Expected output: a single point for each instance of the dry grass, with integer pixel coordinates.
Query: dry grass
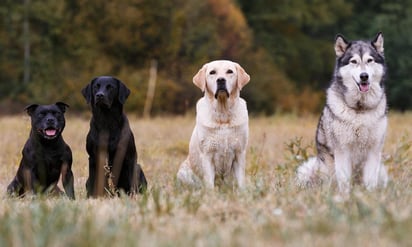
(271, 212)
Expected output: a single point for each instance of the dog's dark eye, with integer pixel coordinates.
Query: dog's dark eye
(353, 61)
(108, 87)
(212, 72)
(230, 71)
(97, 85)
(41, 114)
(370, 60)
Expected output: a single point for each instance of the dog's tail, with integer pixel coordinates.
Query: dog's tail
(311, 172)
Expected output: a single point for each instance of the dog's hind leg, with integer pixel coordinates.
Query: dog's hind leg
(186, 176)
(139, 180)
(15, 188)
(67, 181)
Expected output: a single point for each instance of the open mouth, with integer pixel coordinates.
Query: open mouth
(49, 133)
(363, 85)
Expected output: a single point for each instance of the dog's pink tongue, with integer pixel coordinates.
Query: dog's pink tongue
(364, 87)
(50, 132)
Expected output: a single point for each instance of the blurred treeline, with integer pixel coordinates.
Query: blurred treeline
(50, 49)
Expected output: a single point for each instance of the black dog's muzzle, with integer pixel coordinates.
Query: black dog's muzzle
(100, 99)
(50, 129)
(221, 87)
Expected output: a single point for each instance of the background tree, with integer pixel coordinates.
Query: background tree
(286, 47)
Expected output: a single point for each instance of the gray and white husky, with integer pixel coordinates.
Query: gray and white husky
(351, 130)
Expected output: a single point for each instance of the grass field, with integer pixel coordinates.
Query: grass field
(272, 211)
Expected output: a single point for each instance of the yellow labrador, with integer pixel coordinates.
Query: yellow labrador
(217, 147)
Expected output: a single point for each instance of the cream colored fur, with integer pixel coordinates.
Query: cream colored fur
(217, 147)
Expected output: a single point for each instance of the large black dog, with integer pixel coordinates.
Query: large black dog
(45, 154)
(110, 141)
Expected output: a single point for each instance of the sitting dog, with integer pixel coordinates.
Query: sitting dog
(45, 154)
(352, 128)
(110, 141)
(217, 147)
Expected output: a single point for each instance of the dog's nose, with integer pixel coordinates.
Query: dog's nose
(50, 120)
(221, 81)
(364, 76)
(99, 95)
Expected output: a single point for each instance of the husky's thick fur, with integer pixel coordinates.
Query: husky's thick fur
(352, 127)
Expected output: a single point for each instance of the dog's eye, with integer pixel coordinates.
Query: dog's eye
(212, 72)
(370, 60)
(109, 87)
(97, 85)
(230, 71)
(353, 61)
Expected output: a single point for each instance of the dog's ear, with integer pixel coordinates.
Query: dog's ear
(62, 106)
(341, 44)
(242, 77)
(87, 91)
(200, 78)
(31, 108)
(378, 42)
(124, 92)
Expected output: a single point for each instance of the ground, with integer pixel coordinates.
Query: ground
(272, 211)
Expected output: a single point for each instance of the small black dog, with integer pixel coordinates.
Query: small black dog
(45, 154)
(110, 141)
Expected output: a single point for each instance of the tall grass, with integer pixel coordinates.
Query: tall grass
(272, 211)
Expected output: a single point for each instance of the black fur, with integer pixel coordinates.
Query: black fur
(110, 133)
(45, 154)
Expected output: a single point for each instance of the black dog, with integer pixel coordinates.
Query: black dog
(45, 154)
(110, 141)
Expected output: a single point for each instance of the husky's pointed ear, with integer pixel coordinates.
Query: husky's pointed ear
(378, 42)
(242, 77)
(200, 78)
(340, 45)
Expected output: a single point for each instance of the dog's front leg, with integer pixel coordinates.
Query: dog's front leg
(374, 172)
(28, 181)
(239, 169)
(343, 171)
(91, 180)
(208, 172)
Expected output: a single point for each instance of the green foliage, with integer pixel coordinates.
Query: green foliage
(297, 152)
(286, 47)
